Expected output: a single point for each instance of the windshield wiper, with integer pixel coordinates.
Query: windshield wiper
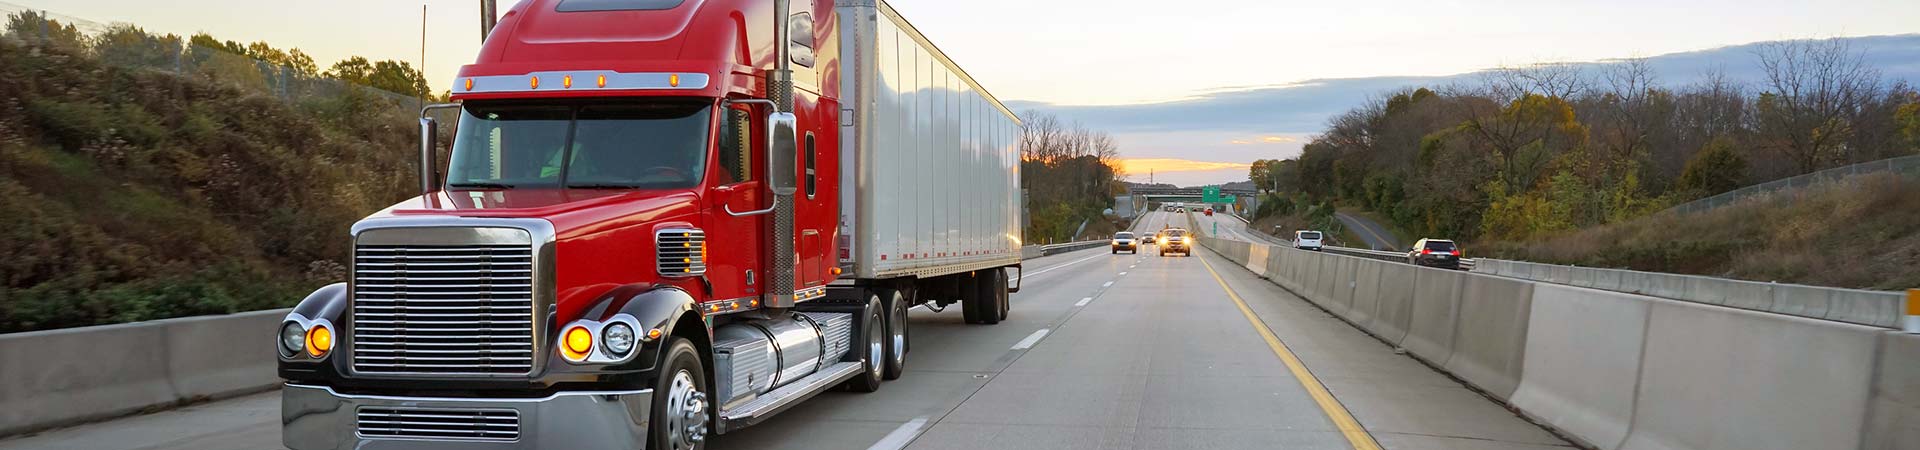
(480, 185)
(601, 186)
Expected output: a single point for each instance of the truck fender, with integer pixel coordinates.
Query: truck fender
(327, 304)
(661, 308)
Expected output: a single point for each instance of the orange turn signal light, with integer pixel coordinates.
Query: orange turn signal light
(673, 80)
(577, 342)
(319, 341)
(533, 82)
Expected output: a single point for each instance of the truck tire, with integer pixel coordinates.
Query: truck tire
(872, 349)
(682, 415)
(990, 294)
(971, 305)
(896, 339)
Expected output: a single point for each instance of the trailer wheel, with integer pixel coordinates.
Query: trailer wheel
(896, 344)
(872, 351)
(990, 294)
(972, 307)
(681, 411)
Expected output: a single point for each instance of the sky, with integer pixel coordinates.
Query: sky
(1113, 64)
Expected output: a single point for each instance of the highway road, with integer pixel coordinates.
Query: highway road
(1375, 236)
(1102, 352)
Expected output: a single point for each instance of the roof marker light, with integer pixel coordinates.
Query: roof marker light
(566, 82)
(469, 84)
(601, 81)
(673, 80)
(533, 82)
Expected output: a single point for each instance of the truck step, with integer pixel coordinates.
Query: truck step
(786, 396)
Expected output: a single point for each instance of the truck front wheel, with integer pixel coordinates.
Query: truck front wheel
(681, 411)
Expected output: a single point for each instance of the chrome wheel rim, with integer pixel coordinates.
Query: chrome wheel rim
(899, 334)
(874, 352)
(686, 412)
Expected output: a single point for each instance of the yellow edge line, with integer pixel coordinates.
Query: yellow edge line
(1356, 435)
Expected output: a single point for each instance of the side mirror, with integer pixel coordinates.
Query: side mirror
(429, 132)
(782, 154)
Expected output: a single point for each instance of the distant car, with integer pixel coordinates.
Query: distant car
(1180, 210)
(1177, 240)
(1209, 211)
(1306, 240)
(1435, 253)
(1147, 240)
(1124, 241)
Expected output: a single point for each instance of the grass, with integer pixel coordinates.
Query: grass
(1859, 233)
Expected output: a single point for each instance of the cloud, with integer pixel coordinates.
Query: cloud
(1167, 165)
(1278, 139)
(1239, 142)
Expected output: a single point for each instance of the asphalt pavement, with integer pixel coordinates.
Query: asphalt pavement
(1101, 351)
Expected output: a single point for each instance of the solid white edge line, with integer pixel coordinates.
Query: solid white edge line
(1030, 340)
(899, 438)
(1083, 302)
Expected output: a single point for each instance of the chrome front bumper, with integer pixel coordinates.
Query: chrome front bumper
(316, 418)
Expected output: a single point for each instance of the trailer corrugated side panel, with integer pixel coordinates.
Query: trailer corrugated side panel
(932, 158)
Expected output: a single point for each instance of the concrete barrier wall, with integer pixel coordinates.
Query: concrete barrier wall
(1873, 308)
(1582, 362)
(61, 377)
(1436, 304)
(1257, 259)
(1490, 333)
(1616, 370)
(1721, 378)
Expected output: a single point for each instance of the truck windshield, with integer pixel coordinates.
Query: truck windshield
(639, 145)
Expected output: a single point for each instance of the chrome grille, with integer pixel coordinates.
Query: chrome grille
(446, 424)
(679, 252)
(443, 309)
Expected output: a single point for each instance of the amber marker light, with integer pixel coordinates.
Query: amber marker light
(469, 84)
(600, 81)
(673, 80)
(533, 82)
(653, 334)
(577, 342)
(319, 341)
(566, 82)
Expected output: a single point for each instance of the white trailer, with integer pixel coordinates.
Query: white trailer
(931, 157)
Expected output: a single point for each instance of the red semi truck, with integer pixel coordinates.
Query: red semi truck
(661, 220)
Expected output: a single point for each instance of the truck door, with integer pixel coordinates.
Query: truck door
(733, 242)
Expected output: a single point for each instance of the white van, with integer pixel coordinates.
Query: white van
(1306, 240)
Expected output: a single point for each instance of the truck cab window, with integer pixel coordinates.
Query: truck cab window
(616, 5)
(800, 39)
(645, 145)
(736, 151)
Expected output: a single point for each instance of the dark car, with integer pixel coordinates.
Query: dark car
(1435, 253)
(1124, 241)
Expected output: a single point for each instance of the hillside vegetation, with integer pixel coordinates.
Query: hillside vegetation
(1859, 233)
(1532, 153)
(132, 193)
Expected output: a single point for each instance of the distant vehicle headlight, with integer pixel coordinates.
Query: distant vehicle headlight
(293, 339)
(618, 339)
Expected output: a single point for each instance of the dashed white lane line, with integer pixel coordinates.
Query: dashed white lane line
(1030, 340)
(1083, 302)
(1123, 273)
(1057, 267)
(1107, 284)
(899, 438)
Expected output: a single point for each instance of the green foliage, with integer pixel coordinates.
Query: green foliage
(36, 28)
(137, 194)
(1716, 169)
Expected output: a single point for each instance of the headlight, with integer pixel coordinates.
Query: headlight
(293, 339)
(617, 339)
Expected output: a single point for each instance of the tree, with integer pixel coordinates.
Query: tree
(1810, 88)
(1716, 169)
(128, 45)
(356, 70)
(36, 27)
(1261, 177)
